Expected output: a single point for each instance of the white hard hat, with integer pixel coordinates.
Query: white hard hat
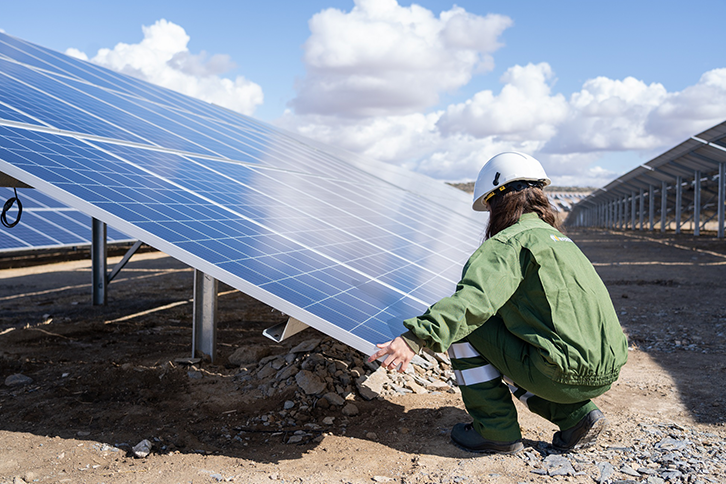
(502, 169)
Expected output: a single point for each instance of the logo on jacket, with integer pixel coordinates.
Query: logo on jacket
(560, 239)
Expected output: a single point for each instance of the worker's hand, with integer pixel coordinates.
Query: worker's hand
(398, 351)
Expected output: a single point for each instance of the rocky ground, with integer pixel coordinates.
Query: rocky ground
(108, 394)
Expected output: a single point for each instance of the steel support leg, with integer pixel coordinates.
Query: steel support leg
(641, 209)
(651, 207)
(204, 322)
(697, 204)
(98, 262)
(721, 198)
(679, 201)
(663, 206)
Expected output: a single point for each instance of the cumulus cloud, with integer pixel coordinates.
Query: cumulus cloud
(411, 141)
(163, 58)
(692, 110)
(571, 136)
(382, 59)
(610, 115)
(524, 110)
(395, 139)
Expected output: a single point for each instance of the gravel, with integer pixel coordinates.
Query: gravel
(326, 374)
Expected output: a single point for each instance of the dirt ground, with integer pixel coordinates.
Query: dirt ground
(104, 378)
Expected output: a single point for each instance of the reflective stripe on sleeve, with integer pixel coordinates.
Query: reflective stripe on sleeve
(462, 350)
(480, 374)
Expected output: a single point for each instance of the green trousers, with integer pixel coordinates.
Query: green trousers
(491, 363)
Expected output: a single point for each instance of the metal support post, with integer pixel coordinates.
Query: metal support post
(632, 210)
(641, 211)
(697, 204)
(204, 322)
(651, 207)
(618, 220)
(721, 198)
(98, 262)
(679, 199)
(663, 206)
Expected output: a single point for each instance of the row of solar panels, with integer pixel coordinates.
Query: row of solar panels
(689, 177)
(346, 245)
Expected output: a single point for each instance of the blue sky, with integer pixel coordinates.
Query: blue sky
(590, 88)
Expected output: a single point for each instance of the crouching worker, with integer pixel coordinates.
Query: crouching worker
(530, 315)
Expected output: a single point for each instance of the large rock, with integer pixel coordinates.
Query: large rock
(350, 410)
(306, 346)
(372, 386)
(18, 379)
(334, 399)
(309, 382)
(245, 355)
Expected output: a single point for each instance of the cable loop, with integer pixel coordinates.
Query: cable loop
(8, 205)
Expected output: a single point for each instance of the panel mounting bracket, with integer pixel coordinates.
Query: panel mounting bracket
(282, 331)
(8, 181)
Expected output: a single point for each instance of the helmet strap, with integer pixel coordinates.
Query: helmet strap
(515, 186)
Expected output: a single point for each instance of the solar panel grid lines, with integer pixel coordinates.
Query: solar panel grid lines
(312, 231)
(47, 224)
(295, 193)
(183, 144)
(50, 61)
(236, 183)
(262, 272)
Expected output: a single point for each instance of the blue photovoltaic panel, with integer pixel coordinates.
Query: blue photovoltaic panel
(46, 224)
(347, 245)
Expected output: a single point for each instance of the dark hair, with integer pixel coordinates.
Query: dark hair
(505, 209)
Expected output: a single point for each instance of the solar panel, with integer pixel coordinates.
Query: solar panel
(47, 224)
(346, 245)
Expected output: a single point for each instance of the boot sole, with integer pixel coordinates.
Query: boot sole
(516, 449)
(589, 438)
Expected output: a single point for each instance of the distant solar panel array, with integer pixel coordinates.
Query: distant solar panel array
(346, 245)
(685, 186)
(563, 201)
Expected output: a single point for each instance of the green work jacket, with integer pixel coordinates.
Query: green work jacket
(547, 293)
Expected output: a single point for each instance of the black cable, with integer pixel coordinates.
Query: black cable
(8, 205)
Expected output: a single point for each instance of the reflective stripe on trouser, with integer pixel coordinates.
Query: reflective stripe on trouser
(486, 394)
(520, 393)
(482, 374)
(486, 397)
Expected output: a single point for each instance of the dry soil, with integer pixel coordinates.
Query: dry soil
(104, 378)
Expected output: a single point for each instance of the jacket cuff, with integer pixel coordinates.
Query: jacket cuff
(413, 341)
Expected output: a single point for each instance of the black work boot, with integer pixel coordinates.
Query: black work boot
(465, 437)
(582, 435)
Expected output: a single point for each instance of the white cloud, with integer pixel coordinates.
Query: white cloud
(73, 52)
(524, 110)
(162, 58)
(696, 108)
(387, 138)
(570, 137)
(382, 59)
(610, 115)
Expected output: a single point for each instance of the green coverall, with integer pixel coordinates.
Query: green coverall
(529, 315)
